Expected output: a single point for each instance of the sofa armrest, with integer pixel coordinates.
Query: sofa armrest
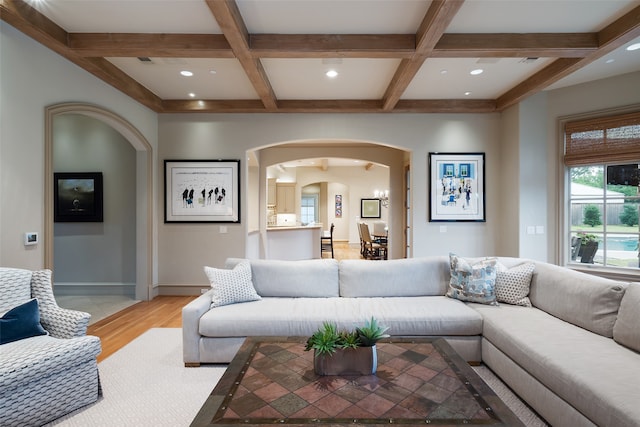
(59, 322)
(64, 323)
(191, 314)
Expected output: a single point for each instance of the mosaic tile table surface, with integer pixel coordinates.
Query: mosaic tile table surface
(418, 382)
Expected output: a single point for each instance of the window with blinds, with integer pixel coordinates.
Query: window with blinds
(605, 139)
(602, 157)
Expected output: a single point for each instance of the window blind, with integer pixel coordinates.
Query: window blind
(603, 140)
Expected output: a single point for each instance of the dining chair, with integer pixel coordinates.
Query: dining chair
(326, 242)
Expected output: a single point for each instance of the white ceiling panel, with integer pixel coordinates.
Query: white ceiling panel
(130, 16)
(537, 16)
(450, 78)
(162, 77)
(306, 79)
(333, 16)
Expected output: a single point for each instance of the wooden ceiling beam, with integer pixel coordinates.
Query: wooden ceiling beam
(613, 36)
(227, 14)
(435, 22)
(150, 45)
(213, 106)
(332, 45)
(40, 28)
(500, 45)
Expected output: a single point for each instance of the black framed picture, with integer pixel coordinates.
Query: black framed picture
(369, 208)
(202, 191)
(77, 197)
(456, 187)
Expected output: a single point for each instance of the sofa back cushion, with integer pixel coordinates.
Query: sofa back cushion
(15, 287)
(394, 278)
(626, 331)
(314, 278)
(584, 300)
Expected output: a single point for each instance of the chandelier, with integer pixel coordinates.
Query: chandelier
(383, 196)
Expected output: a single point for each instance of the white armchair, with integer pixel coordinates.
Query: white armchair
(44, 377)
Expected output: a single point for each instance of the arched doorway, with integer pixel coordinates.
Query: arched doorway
(143, 188)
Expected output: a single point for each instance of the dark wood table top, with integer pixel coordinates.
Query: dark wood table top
(419, 381)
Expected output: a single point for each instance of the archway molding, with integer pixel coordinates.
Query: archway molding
(144, 188)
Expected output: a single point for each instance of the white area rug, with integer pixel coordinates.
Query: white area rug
(146, 384)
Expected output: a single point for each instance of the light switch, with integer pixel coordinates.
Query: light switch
(443, 228)
(531, 229)
(223, 229)
(539, 229)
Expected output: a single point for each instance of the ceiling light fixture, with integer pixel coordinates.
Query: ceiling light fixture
(213, 72)
(443, 71)
(192, 95)
(467, 93)
(609, 61)
(186, 73)
(634, 46)
(331, 73)
(476, 71)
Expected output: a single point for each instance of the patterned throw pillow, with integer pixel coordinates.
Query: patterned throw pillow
(231, 286)
(473, 282)
(512, 284)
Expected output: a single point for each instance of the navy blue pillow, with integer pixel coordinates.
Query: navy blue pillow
(21, 322)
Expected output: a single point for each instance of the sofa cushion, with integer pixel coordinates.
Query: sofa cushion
(585, 300)
(412, 316)
(16, 287)
(278, 278)
(570, 361)
(472, 281)
(231, 286)
(21, 322)
(397, 277)
(512, 284)
(626, 330)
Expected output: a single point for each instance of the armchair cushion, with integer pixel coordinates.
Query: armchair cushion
(21, 322)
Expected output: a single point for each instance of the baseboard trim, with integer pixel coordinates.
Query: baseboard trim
(94, 288)
(182, 290)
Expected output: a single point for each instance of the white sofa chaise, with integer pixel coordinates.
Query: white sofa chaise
(573, 356)
(52, 373)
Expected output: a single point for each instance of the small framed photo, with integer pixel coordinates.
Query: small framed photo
(77, 196)
(202, 191)
(369, 208)
(30, 238)
(456, 187)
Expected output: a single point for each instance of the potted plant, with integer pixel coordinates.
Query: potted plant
(588, 247)
(342, 352)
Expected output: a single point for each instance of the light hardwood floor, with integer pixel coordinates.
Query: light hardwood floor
(118, 330)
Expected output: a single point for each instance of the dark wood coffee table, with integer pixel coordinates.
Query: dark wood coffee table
(419, 381)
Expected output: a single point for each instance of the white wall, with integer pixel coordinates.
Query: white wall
(184, 248)
(32, 78)
(106, 251)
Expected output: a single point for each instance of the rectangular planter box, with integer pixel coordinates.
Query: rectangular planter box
(348, 361)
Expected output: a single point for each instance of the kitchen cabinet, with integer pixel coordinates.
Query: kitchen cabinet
(271, 192)
(286, 197)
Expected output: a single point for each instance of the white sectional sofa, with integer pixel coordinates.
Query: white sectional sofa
(573, 356)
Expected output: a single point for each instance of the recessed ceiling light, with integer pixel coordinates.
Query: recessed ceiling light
(634, 46)
(201, 103)
(192, 95)
(609, 61)
(443, 71)
(332, 73)
(476, 71)
(212, 71)
(467, 93)
(186, 73)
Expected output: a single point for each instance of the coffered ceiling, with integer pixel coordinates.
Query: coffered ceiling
(390, 55)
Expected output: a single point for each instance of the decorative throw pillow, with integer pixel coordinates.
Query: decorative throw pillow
(473, 282)
(231, 286)
(512, 284)
(21, 322)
